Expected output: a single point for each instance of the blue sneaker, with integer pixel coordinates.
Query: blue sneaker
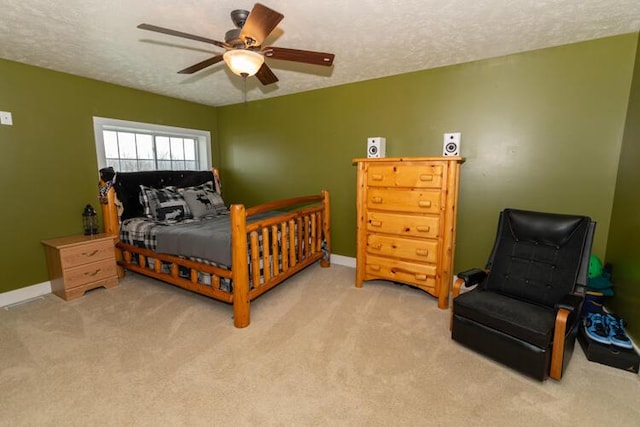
(595, 328)
(617, 335)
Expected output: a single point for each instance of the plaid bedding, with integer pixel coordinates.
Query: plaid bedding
(142, 232)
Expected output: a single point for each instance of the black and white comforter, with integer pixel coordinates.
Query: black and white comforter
(208, 238)
(203, 240)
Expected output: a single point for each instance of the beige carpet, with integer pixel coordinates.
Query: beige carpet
(318, 352)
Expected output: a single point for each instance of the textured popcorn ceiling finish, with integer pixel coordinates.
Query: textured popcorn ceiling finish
(370, 38)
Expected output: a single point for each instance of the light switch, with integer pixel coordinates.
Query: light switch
(5, 118)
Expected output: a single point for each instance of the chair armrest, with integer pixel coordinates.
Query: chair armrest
(472, 277)
(566, 315)
(569, 302)
(465, 278)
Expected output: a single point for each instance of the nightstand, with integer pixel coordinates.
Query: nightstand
(78, 264)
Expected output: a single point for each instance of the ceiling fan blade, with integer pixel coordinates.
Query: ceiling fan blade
(200, 65)
(163, 30)
(259, 24)
(307, 56)
(265, 75)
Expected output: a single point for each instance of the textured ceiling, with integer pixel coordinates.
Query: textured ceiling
(370, 38)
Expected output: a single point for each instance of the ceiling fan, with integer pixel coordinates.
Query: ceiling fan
(244, 54)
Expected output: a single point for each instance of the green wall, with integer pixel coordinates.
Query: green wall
(48, 166)
(540, 130)
(623, 249)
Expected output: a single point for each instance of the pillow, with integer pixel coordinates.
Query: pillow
(203, 203)
(164, 204)
(203, 200)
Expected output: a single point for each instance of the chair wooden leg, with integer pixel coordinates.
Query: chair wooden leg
(557, 357)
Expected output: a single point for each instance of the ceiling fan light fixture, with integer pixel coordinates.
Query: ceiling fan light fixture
(243, 62)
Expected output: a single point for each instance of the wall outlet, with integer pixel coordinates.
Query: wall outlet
(6, 118)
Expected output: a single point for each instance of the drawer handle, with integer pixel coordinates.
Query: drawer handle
(422, 252)
(376, 199)
(376, 177)
(418, 276)
(423, 228)
(424, 203)
(90, 253)
(374, 267)
(426, 177)
(375, 246)
(376, 223)
(94, 273)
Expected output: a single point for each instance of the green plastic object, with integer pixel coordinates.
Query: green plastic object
(595, 267)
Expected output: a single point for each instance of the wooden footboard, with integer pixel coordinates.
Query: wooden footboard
(295, 250)
(264, 253)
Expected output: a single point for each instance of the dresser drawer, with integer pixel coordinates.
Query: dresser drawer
(422, 275)
(404, 225)
(405, 175)
(88, 273)
(82, 254)
(398, 247)
(418, 201)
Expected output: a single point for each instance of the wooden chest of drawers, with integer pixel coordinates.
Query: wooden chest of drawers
(407, 222)
(80, 263)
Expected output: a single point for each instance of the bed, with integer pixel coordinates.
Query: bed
(166, 228)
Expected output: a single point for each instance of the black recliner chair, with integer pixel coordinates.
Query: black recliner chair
(525, 309)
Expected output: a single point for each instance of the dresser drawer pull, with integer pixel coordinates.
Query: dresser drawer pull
(376, 223)
(90, 253)
(424, 203)
(374, 267)
(422, 252)
(418, 276)
(94, 273)
(423, 228)
(376, 199)
(426, 177)
(376, 177)
(375, 246)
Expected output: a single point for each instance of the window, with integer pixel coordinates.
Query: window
(131, 146)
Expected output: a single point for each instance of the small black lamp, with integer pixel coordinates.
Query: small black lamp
(89, 221)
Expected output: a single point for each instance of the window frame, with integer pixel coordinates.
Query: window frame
(202, 137)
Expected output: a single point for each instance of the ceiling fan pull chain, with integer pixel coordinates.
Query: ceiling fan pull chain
(244, 88)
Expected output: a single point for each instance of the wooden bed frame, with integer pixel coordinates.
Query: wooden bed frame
(309, 214)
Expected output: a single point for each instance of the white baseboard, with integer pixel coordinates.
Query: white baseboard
(23, 294)
(343, 260)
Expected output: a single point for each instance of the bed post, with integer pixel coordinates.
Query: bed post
(240, 267)
(111, 222)
(110, 213)
(326, 228)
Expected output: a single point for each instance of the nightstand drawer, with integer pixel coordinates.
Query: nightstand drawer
(418, 201)
(408, 175)
(398, 247)
(83, 254)
(422, 275)
(88, 273)
(404, 225)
